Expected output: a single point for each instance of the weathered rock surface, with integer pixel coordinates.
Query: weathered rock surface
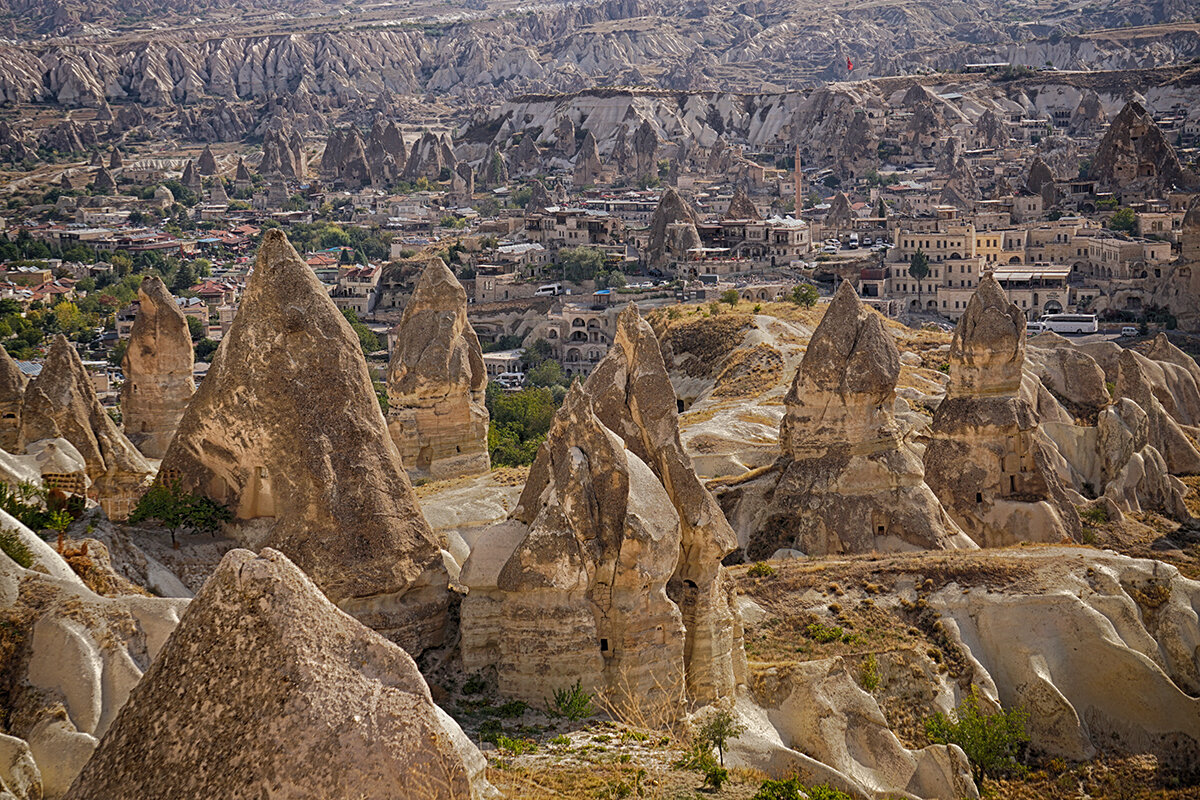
(436, 381)
(286, 430)
(846, 480)
(83, 655)
(574, 585)
(290, 696)
(283, 155)
(672, 229)
(741, 207)
(12, 393)
(1135, 155)
(1165, 434)
(158, 370)
(989, 462)
(632, 396)
(61, 402)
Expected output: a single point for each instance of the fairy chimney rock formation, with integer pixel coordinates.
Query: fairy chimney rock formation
(672, 229)
(263, 674)
(207, 164)
(848, 482)
(191, 178)
(1135, 155)
(989, 462)
(12, 393)
(573, 586)
(158, 370)
(741, 207)
(632, 396)
(61, 403)
(287, 431)
(539, 198)
(436, 382)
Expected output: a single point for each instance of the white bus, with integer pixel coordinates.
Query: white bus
(1070, 323)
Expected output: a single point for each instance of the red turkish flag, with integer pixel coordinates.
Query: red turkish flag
(849, 65)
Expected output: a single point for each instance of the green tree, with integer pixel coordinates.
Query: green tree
(918, 269)
(994, 743)
(1123, 220)
(730, 296)
(717, 729)
(205, 349)
(547, 373)
(538, 351)
(805, 295)
(178, 510)
(366, 337)
(580, 263)
(183, 279)
(196, 328)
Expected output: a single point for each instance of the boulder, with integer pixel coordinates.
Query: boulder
(158, 370)
(286, 430)
(288, 695)
(847, 482)
(436, 381)
(989, 462)
(61, 403)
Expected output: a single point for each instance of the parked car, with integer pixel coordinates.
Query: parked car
(1129, 330)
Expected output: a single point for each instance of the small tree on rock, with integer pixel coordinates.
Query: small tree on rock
(178, 510)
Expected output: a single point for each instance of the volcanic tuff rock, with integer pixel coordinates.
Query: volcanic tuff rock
(436, 381)
(587, 162)
(1165, 434)
(429, 155)
(632, 397)
(345, 159)
(672, 229)
(741, 207)
(207, 163)
(539, 198)
(287, 431)
(1179, 290)
(573, 587)
(103, 181)
(386, 152)
(158, 370)
(988, 461)
(115, 159)
(1135, 155)
(12, 393)
(847, 481)
(191, 178)
(288, 695)
(283, 155)
(61, 402)
(81, 656)
(840, 215)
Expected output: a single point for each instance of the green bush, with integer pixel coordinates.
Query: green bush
(825, 634)
(517, 747)
(805, 295)
(15, 548)
(474, 684)
(28, 504)
(761, 569)
(994, 743)
(572, 702)
(730, 296)
(792, 789)
(1094, 515)
(869, 674)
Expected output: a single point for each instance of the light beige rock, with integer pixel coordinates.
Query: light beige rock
(61, 402)
(158, 370)
(818, 709)
(846, 480)
(12, 391)
(989, 462)
(632, 396)
(1134, 383)
(287, 431)
(436, 381)
(288, 695)
(1104, 656)
(574, 585)
(84, 655)
(19, 775)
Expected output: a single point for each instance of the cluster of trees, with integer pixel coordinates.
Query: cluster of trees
(367, 244)
(366, 337)
(589, 263)
(520, 421)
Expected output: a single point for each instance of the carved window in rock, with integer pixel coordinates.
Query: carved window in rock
(258, 499)
(168, 477)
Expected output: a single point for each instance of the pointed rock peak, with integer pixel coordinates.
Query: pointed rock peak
(208, 162)
(539, 198)
(242, 174)
(438, 287)
(261, 635)
(988, 348)
(850, 351)
(287, 431)
(741, 207)
(11, 378)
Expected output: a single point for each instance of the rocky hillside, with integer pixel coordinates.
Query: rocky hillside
(490, 53)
